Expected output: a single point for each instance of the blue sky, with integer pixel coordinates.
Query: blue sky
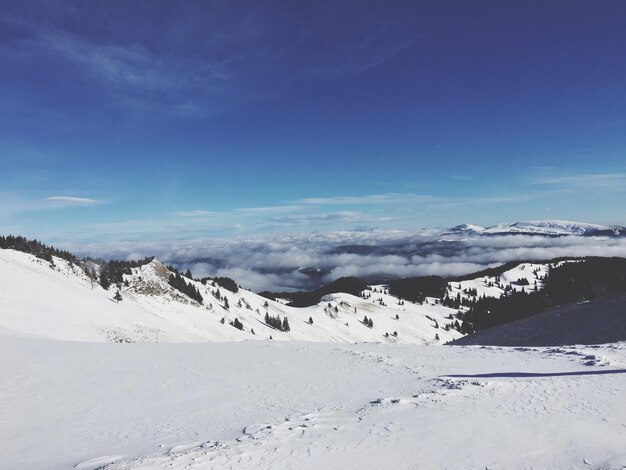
(168, 120)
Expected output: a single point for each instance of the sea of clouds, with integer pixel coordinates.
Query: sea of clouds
(275, 262)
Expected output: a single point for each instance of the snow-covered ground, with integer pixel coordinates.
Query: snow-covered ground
(274, 405)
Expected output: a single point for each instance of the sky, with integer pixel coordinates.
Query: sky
(161, 121)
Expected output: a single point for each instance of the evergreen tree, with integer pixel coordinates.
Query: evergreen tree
(104, 281)
(118, 296)
(178, 282)
(310, 320)
(237, 324)
(286, 324)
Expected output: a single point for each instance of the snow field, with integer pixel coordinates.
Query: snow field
(268, 404)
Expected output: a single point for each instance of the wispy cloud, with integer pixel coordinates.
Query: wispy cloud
(129, 65)
(71, 201)
(587, 180)
(367, 199)
(195, 213)
(290, 207)
(307, 219)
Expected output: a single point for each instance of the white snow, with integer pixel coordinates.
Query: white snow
(268, 404)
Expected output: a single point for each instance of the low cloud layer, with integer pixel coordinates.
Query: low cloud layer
(279, 262)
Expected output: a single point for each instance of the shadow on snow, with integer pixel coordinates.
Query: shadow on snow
(537, 374)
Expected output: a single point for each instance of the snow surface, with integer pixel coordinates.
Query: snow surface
(301, 405)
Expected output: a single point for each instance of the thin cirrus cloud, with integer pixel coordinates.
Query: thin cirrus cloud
(71, 201)
(589, 180)
(305, 219)
(195, 213)
(200, 65)
(367, 199)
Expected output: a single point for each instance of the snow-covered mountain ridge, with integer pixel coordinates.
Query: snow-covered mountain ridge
(60, 301)
(541, 227)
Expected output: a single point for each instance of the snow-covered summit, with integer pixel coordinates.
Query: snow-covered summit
(548, 227)
(466, 229)
(539, 227)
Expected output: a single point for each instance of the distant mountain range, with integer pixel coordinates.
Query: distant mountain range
(541, 228)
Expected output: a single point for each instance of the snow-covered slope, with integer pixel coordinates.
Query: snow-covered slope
(587, 322)
(62, 303)
(523, 277)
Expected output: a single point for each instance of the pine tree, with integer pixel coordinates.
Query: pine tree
(104, 281)
(286, 324)
(237, 324)
(310, 320)
(118, 296)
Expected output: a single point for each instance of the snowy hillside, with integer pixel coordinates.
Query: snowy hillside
(62, 303)
(524, 277)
